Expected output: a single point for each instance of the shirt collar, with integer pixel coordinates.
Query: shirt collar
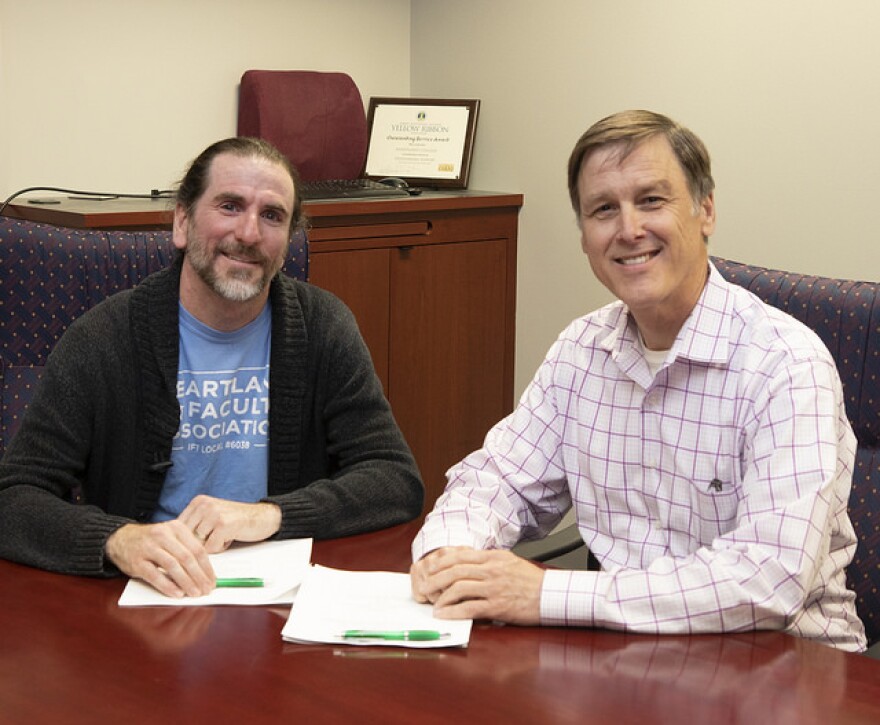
(704, 337)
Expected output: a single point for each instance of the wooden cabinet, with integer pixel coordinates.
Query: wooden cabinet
(432, 282)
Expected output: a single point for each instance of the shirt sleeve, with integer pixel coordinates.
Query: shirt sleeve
(514, 488)
(47, 459)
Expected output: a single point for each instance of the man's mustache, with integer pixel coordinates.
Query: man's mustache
(248, 254)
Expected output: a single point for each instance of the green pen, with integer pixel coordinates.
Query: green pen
(404, 635)
(245, 581)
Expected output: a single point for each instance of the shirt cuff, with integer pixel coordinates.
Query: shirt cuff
(569, 598)
(431, 538)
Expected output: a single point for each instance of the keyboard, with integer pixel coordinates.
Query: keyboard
(347, 189)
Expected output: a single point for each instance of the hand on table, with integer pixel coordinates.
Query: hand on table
(168, 556)
(173, 556)
(218, 522)
(465, 583)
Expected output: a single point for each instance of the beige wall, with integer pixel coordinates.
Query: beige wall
(119, 94)
(786, 94)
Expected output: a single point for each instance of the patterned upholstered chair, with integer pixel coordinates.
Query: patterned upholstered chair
(846, 315)
(51, 275)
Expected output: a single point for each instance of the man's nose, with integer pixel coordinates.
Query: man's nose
(631, 222)
(247, 231)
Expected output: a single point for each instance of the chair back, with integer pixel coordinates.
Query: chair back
(846, 316)
(315, 119)
(51, 275)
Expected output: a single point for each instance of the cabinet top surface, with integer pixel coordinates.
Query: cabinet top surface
(118, 213)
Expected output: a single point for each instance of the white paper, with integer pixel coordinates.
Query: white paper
(281, 564)
(332, 601)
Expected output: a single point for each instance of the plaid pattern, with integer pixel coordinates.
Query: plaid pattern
(714, 493)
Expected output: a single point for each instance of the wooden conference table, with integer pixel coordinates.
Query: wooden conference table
(69, 654)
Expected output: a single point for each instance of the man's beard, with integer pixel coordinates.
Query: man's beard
(236, 285)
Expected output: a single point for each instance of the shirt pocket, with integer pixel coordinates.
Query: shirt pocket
(715, 497)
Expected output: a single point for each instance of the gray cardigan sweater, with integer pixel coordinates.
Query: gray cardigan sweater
(94, 445)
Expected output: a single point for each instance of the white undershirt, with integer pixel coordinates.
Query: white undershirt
(654, 358)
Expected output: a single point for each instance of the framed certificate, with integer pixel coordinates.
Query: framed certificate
(425, 141)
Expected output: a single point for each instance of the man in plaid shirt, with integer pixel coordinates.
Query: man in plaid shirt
(699, 435)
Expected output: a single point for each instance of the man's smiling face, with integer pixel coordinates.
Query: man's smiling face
(644, 234)
(237, 235)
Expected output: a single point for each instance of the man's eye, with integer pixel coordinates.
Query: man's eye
(602, 211)
(229, 206)
(652, 201)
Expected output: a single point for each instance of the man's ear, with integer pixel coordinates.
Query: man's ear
(178, 227)
(707, 210)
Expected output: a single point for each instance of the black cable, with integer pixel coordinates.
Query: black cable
(154, 194)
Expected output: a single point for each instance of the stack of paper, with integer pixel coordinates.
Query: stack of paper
(280, 564)
(367, 608)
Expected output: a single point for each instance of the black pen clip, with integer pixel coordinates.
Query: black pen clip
(715, 484)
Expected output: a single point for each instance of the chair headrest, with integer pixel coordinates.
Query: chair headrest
(316, 119)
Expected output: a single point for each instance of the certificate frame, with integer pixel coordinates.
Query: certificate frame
(400, 146)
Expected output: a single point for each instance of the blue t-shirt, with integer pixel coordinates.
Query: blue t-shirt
(222, 446)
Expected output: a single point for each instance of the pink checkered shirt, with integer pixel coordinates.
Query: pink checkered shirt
(714, 494)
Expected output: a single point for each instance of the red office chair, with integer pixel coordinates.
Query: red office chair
(316, 119)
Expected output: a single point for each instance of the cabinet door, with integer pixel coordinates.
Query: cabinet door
(361, 280)
(447, 356)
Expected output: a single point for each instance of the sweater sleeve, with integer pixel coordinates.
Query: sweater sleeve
(44, 468)
(357, 471)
